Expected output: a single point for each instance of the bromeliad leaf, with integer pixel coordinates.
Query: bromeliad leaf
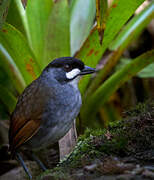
(12, 70)
(101, 15)
(4, 5)
(57, 40)
(93, 103)
(91, 51)
(129, 33)
(8, 99)
(18, 49)
(82, 19)
(147, 72)
(16, 15)
(37, 14)
(133, 29)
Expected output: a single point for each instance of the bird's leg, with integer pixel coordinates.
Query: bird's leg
(42, 166)
(19, 158)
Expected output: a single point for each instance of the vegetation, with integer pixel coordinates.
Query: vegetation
(103, 150)
(110, 35)
(34, 36)
(117, 139)
(28, 44)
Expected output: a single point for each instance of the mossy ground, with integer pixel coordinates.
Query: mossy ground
(130, 138)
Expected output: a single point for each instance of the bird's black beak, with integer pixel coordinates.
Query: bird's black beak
(87, 70)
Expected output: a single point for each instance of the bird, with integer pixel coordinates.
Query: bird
(46, 109)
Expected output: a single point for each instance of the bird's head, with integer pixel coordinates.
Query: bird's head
(67, 69)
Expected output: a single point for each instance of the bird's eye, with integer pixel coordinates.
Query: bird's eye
(67, 67)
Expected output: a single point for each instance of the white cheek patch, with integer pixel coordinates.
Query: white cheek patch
(73, 73)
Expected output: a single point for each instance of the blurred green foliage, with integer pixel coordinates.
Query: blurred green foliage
(33, 36)
(4, 5)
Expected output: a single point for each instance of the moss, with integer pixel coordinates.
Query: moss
(127, 137)
(132, 134)
(55, 174)
(83, 150)
(140, 109)
(91, 132)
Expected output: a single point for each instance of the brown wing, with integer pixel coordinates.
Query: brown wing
(24, 134)
(25, 120)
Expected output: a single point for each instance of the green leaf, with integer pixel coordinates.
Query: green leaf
(57, 41)
(101, 16)
(147, 72)
(5, 79)
(82, 15)
(4, 5)
(91, 52)
(15, 17)
(7, 98)
(133, 29)
(123, 62)
(17, 50)
(11, 69)
(37, 14)
(22, 14)
(130, 32)
(102, 94)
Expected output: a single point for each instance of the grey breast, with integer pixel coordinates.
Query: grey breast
(61, 108)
